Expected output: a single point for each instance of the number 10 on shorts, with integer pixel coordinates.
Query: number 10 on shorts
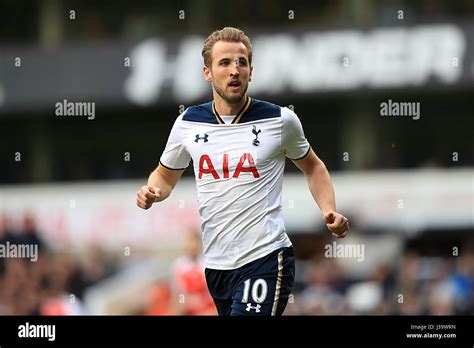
(259, 290)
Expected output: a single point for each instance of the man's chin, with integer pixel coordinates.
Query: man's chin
(231, 97)
(234, 98)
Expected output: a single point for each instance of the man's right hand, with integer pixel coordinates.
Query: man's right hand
(147, 195)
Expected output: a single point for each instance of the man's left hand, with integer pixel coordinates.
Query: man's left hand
(336, 223)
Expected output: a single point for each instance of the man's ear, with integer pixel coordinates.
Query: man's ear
(207, 73)
(250, 76)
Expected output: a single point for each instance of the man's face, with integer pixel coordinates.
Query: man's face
(230, 71)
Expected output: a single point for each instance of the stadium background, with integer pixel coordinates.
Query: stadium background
(68, 183)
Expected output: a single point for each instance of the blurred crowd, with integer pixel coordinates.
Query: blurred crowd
(414, 284)
(52, 283)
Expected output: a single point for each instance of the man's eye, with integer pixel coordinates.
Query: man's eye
(243, 62)
(224, 63)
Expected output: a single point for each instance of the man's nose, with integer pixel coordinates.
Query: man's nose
(234, 69)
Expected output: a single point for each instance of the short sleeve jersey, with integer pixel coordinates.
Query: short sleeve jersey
(238, 168)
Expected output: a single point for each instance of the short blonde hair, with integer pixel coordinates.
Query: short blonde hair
(229, 34)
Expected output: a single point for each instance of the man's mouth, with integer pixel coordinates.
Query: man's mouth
(234, 84)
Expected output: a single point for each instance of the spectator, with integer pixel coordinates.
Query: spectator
(189, 282)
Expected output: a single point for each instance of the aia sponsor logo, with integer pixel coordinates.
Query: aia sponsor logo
(246, 165)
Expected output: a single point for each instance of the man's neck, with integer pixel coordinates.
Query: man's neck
(226, 109)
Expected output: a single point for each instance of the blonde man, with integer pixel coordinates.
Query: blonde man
(238, 147)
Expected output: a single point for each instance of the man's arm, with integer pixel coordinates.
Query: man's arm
(321, 188)
(160, 184)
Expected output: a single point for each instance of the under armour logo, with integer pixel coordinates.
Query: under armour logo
(249, 307)
(256, 142)
(205, 138)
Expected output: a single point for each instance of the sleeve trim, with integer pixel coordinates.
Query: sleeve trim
(303, 157)
(171, 168)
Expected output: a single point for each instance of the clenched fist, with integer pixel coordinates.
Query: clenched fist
(148, 195)
(336, 223)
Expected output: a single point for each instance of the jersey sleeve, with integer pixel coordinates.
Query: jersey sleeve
(294, 144)
(175, 156)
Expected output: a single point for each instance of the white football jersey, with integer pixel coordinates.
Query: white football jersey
(239, 173)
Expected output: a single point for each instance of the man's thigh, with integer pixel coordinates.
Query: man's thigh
(264, 286)
(220, 285)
